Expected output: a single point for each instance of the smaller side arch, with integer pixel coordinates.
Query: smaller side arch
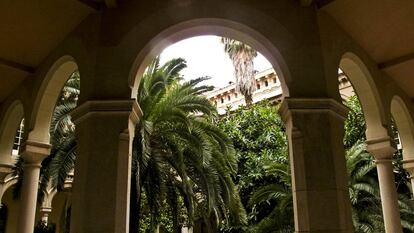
(9, 181)
(405, 126)
(367, 92)
(8, 127)
(47, 97)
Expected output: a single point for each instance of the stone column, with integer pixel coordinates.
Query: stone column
(315, 129)
(33, 155)
(101, 188)
(44, 214)
(383, 150)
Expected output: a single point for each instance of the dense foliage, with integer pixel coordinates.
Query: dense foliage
(258, 136)
(264, 177)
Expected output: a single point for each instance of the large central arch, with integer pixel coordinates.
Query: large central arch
(208, 26)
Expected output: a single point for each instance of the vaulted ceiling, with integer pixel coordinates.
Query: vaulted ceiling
(29, 30)
(385, 29)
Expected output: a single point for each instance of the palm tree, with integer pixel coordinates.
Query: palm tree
(179, 153)
(61, 161)
(242, 56)
(363, 190)
(278, 195)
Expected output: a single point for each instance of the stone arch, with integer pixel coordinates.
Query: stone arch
(48, 198)
(8, 127)
(209, 26)
(405, 126)
(47, 96)
(367, 92)
(9, 181)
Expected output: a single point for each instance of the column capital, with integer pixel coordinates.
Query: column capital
(408, 165)
(312, 105)
(382, 149)
(90, 108)
(33, 152)
(45, 209)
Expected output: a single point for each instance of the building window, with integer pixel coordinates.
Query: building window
(235, 95)
(222, 100)
(274, 80)
(266, 83)
(258, 86)
(18, 138)
(228, 98)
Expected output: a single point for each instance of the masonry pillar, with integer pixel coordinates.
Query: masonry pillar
(315, 129)
(382, 149)
(33, 155)
(100, 199)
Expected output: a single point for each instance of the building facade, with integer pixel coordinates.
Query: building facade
(268, 87)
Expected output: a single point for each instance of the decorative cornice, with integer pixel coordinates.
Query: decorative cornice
(312, 105)
(107, 107)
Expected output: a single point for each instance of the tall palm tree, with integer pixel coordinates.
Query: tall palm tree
(179, 152)
(242, 56)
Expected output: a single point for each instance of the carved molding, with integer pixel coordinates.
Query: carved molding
(312, 105)
(107, 107)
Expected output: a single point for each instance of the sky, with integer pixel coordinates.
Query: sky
(205, 56)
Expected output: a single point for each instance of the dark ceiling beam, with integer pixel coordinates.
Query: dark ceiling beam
(91, 4)
(396, 61)
(17, 66)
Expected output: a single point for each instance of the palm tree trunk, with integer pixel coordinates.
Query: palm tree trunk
(134, 206)
(248, 99)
